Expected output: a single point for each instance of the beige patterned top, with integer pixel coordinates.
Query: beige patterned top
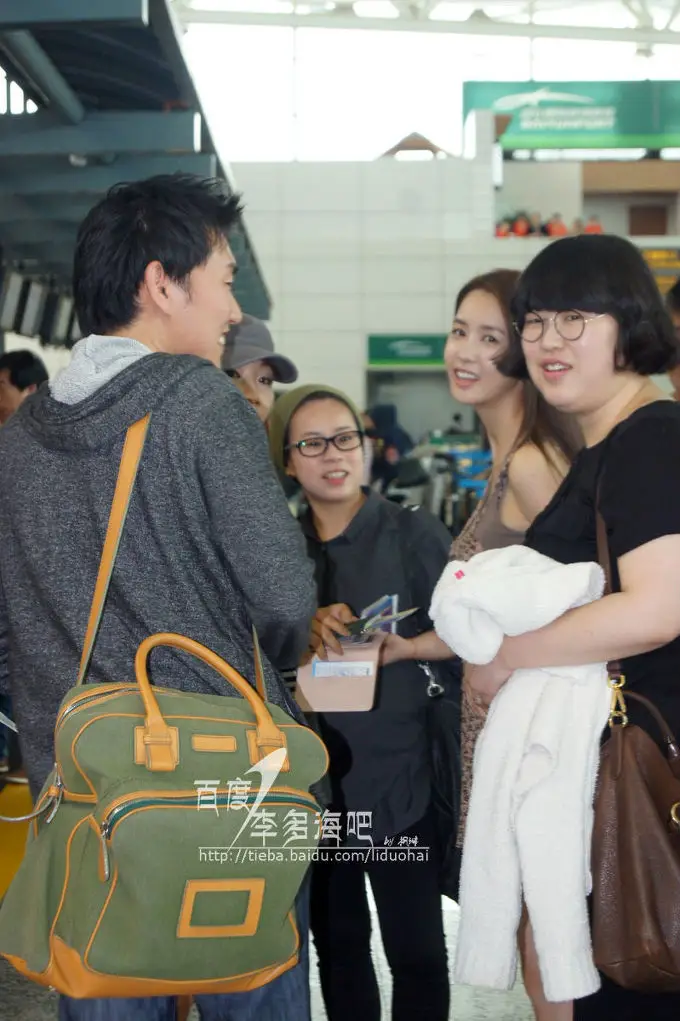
(483, 530)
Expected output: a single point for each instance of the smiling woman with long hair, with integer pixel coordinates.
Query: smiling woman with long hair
(531, 448)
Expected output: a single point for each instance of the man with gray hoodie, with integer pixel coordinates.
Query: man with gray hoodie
(209, 547)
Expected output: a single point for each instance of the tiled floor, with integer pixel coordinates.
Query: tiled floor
(22, 1001)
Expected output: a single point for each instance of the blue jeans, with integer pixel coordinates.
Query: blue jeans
(285, 999)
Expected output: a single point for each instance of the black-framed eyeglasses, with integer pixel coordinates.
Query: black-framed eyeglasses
(570, 325)
(315, 446)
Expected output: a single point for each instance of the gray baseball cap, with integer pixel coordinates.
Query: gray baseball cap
(250, 341)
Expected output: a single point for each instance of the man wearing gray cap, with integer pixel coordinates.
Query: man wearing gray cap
(250, 360)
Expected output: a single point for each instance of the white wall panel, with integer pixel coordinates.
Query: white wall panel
(264, 183)
(337, 188)
(312, 277)
(322, 234)
(400, 274)
(319, 312)
(423, 313)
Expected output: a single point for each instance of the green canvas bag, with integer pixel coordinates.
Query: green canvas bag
(169, 843)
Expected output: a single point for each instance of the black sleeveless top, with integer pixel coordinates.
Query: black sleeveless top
(638, 469)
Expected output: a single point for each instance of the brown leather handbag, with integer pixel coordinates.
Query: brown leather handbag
(636, 842)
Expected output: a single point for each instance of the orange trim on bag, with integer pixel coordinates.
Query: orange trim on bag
(145, 751)
(116, 689)
(177, 716)
(213, 743)
(70, 974)
(248, 927)
(79, 799)
(258, 752)
(71, 977)
(296, 793)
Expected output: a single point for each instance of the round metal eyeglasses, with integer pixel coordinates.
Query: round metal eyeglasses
(570, 325)
(315, 446)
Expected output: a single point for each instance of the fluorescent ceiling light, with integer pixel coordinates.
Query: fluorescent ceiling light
(247, 6)
(314, 8)
(590, 15)
(552, 155)
(451, 12)
(375, 9)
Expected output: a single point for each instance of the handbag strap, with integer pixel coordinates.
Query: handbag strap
(605, 560)
(618, 712)
(260, 686)
(127, 473)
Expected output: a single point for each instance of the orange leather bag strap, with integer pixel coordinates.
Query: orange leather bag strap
(127, 473)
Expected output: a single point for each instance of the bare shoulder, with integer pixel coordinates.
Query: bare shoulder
(533, 479)
(529, 464)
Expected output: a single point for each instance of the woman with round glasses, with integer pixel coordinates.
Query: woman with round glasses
(591, 331)
(366, 549)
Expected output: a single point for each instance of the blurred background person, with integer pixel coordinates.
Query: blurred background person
(556, 227)
(593, 226)
(392, 444)
(250, 360)
(21, 373)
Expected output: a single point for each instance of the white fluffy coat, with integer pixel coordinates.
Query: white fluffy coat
(529, 826)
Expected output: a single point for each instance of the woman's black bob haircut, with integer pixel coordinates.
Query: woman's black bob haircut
(597, 273)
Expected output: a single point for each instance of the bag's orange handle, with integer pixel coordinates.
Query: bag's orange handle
(158, 735)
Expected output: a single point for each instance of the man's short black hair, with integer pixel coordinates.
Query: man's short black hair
(25, 369)
(673, 298)
(598, 273)
(176, 219)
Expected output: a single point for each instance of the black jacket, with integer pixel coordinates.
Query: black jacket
(380, 759)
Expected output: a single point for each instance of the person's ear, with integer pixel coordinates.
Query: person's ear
(157, 285)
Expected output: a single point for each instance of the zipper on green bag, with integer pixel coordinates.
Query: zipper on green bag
(84, 699)
(112, 819)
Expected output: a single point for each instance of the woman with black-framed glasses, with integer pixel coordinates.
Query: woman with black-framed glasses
(365, 548)
(591, 332)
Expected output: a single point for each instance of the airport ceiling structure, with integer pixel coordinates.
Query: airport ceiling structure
(95, 92)
(644, 22)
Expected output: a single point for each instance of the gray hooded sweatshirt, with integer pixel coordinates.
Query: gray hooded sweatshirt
(208, 549)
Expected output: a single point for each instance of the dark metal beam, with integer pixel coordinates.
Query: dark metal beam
(15, 237)
(100, 133)
(168, 32)
(36, 262)
(54, 176)
(60, 209)
(41, 76)
(30, 14)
